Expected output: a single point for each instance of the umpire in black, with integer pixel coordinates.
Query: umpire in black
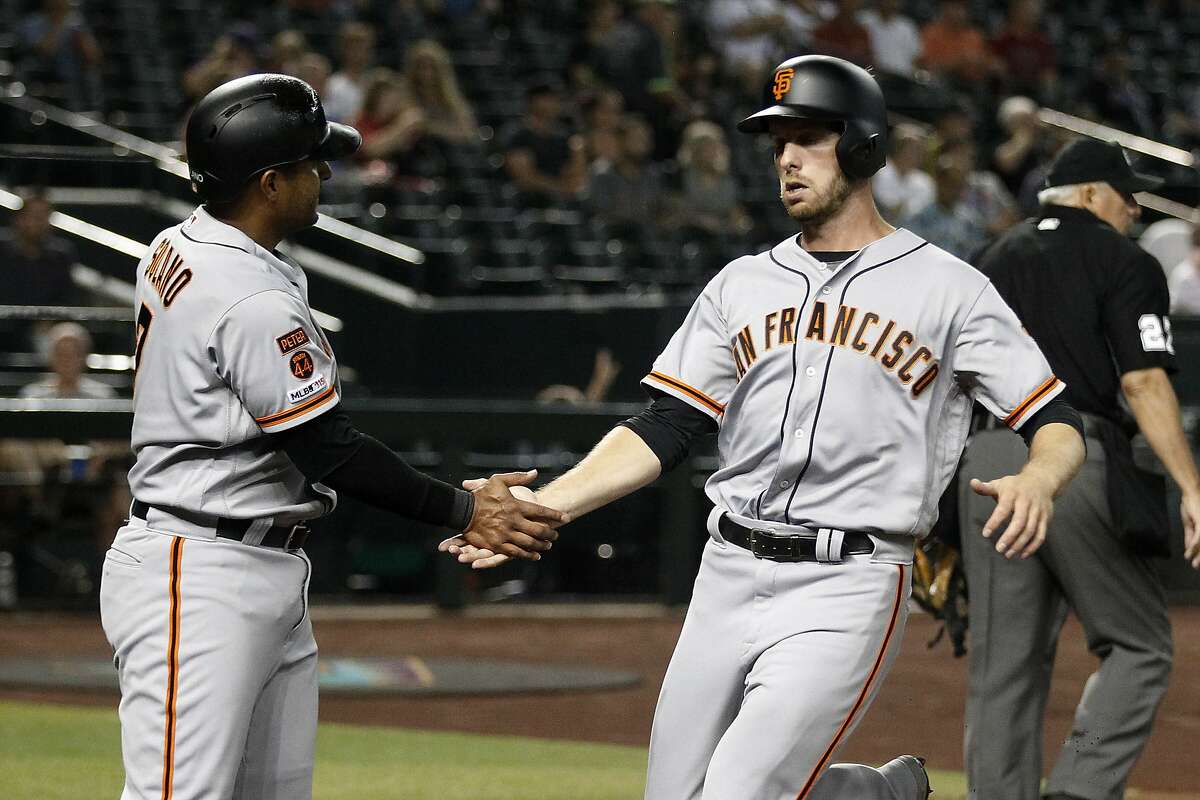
(1097, 305)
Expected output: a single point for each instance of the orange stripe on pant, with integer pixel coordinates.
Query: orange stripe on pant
(172, 669)
(862, 696)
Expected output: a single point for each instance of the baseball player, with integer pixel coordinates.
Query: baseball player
(838, 370)
(240, 439)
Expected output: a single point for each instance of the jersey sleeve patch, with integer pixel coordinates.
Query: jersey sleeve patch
(291, 414)
(1036, 399)
(678, 387)
(292, 340)
(302, 366)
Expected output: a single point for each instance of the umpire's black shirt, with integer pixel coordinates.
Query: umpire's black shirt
(1094, 301)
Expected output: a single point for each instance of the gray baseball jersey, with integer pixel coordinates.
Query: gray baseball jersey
(843, 395)
(226, 351)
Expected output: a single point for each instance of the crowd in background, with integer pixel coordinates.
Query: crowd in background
(633, 125)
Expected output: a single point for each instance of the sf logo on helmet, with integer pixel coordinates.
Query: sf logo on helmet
(783, 82)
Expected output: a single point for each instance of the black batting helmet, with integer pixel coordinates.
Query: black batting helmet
(249, 125)
(828, 88)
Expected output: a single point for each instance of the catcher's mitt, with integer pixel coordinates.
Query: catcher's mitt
(940, 587)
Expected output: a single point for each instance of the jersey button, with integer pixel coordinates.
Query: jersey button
(810, 371)
(784, 484)
(800, 433)
(827, 290)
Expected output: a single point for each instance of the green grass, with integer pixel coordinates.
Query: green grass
(52, 752)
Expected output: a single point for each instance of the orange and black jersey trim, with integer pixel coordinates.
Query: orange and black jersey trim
(695, 394)
(1020, 413)
(290, 414)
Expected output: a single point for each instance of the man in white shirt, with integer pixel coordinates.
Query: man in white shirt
(1184, 280)
(895, 39)
(69, 348)
(902, 188)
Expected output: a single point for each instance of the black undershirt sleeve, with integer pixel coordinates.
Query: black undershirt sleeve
(668, 428)
(331, 451)
(1057, 410)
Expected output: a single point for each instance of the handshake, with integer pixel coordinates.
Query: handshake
(507, 523)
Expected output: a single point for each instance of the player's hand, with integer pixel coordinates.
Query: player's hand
(507, 525)
(1028, 505)
(1189, 512)
(477, 557)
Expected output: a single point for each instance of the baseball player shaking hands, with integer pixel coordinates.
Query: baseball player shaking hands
(838, 370)
(240, 440)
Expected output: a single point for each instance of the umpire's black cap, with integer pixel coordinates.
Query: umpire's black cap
(1093, 161)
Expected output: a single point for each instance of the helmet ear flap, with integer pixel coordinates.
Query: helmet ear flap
(860, 154)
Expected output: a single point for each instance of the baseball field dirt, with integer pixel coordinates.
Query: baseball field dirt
(920, 709)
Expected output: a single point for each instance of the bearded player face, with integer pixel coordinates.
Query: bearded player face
(812, 186)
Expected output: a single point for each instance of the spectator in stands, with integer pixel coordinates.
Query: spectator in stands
(802, 17)
(602, 114)
(844, 36)
(319, 20)
(58, 46)
(644, 69)
(948, 222)
(70, 345)
(546, 162)
(985, 193)
(953, 47)
(313, 69)
(1022, 150)
(432, 85)
(594, 59)
(390, 124)
(38, 264)
(233, 55)
(343, 98)
(1028, 56)
(287, 48)
(708, 201)
(1185, 281)
(1119, 99)
(895, 38)
(629, 194)
(902, 188)
(746, 32)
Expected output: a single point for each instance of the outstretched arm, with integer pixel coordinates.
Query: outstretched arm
(1056, 453)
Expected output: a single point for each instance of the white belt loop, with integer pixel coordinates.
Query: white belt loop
(829, 545)
(257, 531)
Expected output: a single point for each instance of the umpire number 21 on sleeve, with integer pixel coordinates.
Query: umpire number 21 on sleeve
(1156, 333)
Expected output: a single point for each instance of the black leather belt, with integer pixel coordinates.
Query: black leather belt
(287, 537)
(774, 546)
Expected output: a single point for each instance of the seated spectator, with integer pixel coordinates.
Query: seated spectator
(343, 97)
(390, 124)
(594, 59)
(431, 83)
(895, 39)
(319, 20)
(708, 197)
(643, 70)
(1185, 281)
(948, 222)
(628, 193)
(70, 345)
(602, 115)
(985, 193)
(546, 162)
(1026, 52)
(842, 35)
(1022, 151)
(233, 55)
(801, 18)
(746, 33)
(57, 46)
(953, 47)
(1118, 99)
(313, 69)
(902, 188)
(38, 263)
(287, 48)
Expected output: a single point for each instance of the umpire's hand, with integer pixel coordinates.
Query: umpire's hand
(505, 525)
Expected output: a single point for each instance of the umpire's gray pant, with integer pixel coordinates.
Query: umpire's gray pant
(1017, 609)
